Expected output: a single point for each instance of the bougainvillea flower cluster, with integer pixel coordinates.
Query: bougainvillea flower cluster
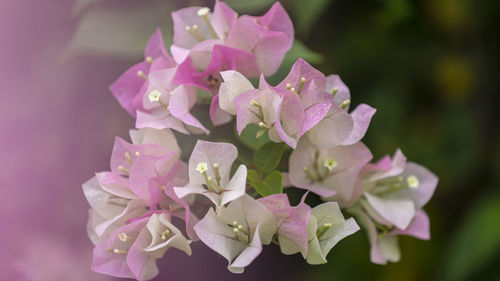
(302, 135)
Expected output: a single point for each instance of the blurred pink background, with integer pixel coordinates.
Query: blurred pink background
(58, 122)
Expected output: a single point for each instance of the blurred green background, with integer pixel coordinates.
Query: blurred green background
(430, 67)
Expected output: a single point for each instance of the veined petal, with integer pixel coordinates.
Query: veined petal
(159, 119)
(333, 129)
(181, 101)
(426, 187)
(419, 227)
(163, 137)
(361, 117)
(335, 85)
(217, 115)
(397, 211)
(234, 84)
(223, 19)
(236, 187)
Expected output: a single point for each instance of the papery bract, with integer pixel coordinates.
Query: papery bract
(340, 127)
(209, 168)
(384, 242)
(238, 231)
(131, 250)
(291, 223)
(395, 192)
(326, 228)
(128, 86)
(331, 171)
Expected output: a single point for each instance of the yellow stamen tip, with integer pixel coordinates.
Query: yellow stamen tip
(203, 11)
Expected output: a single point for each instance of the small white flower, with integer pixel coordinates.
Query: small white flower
(413, 181)
(154, 96)
(202, 167)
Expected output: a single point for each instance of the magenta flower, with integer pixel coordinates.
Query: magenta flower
(131, 250)
(330, 171)
(209, 169)
(326, 228)
(238, 231)
(127, 87)
(291, 223)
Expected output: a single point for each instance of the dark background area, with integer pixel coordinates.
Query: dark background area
(429, 67)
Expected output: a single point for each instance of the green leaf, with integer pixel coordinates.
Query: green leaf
(268, 156)
(272, 183)
(249, 139)
(477, 241)
(300, 50)
(307, 14)
(250, 6)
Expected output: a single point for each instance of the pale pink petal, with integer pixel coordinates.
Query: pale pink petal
(163, 137)
(188, 17)
(234, 84)
(236, 187)
(217, 115)
(290, 117)
(246, 257)
(179, 54)
(155, 48)
(333, 129)
(361, 117)
(159, 119)
(426, 187)
(397, 211)
(115, 184)
(128, 85)
(245, 112)
(302, 69)
(220, 153)
(316, 103)
(335, 84)
(419, 227)
(181, 101)
(215, 233)
(223, 19)
(106, 262)
(277, 19)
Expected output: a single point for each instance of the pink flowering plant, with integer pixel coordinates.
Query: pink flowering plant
(302, 134)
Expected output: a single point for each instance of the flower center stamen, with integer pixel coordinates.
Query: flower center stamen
(117, 251)
(240, 232)
(123, 170)
(165, 234)
(141, 74)
(330, 163)
(345, 104)
(212, 185)
(322, 229)
(335, 90)
(194, 30)
(123, 237)
(203, 12)
(301, 85)
(413, 182)
(155, 96)
(149, 59)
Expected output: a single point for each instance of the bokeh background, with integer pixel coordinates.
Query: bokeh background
(429, 66)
